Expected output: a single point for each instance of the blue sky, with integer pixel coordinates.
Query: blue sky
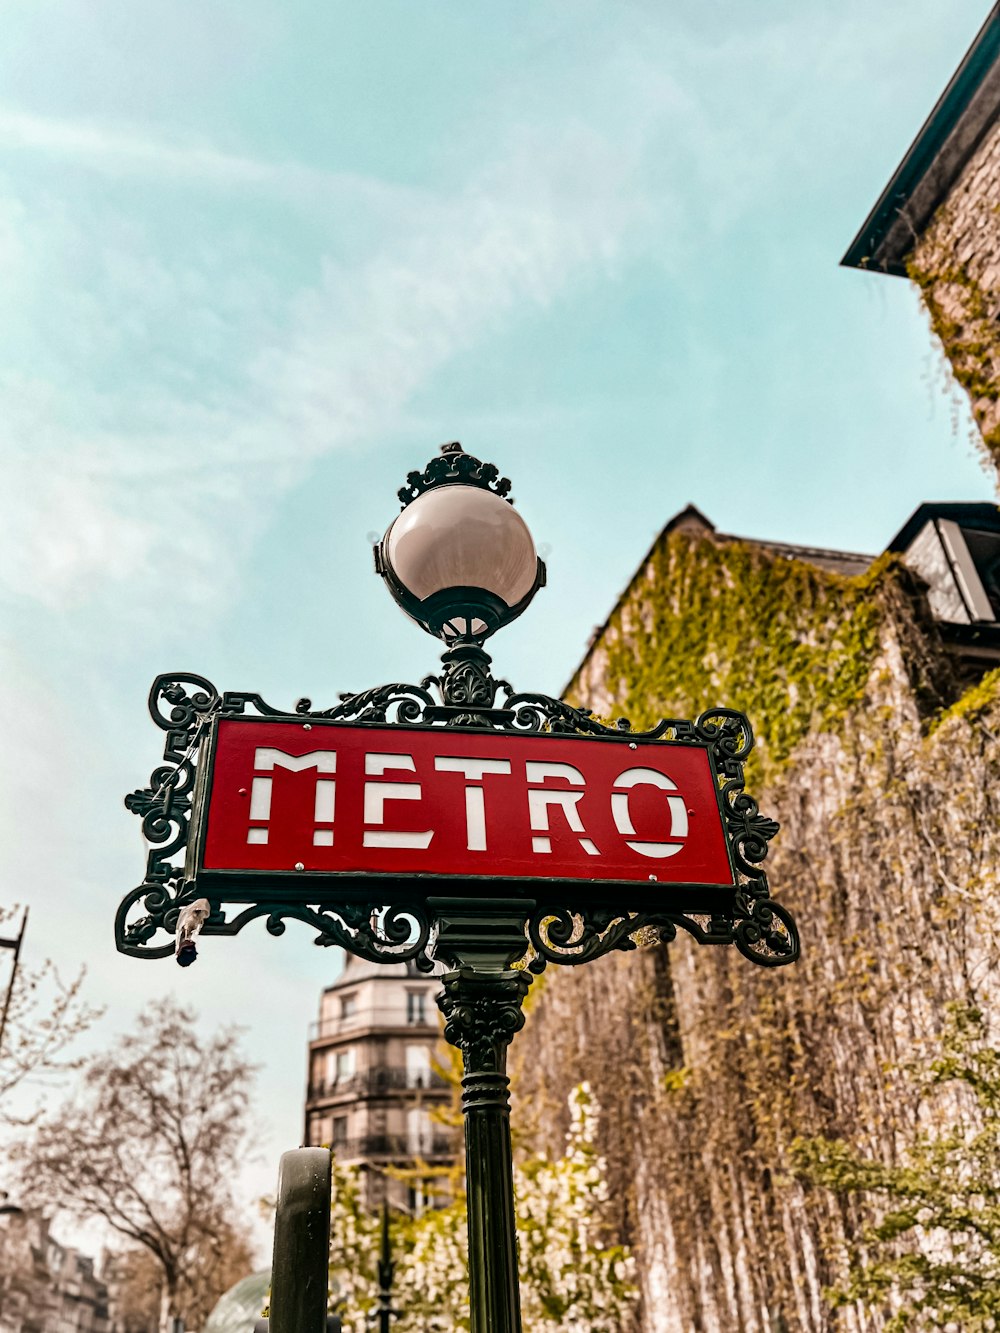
(260, 260)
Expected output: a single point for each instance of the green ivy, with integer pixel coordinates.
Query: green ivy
(966, 324)
(976, 701)
(710, 623)
(932, 1259)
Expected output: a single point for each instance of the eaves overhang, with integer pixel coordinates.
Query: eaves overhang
(965, 112)
(974, 514)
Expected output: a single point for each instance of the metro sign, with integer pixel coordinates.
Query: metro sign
(315, 800)
(391, 823)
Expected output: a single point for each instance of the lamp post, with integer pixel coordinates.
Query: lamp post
(460, 561)
(455, 821)
(383, 1315)
(15, 945)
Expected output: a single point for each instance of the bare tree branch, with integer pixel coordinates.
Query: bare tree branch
(152, 1144)
(45, 1018)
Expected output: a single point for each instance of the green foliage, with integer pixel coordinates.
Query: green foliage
(962, 313)
(571, 1280)
(791, 645)
(975, 703)
(933, 1256)
(676, 1080)
(709, 1069)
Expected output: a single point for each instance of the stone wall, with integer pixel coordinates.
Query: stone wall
(957, 267)
(888, 791)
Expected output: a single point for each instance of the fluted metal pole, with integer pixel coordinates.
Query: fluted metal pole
(482, 1005)
(385, 1314)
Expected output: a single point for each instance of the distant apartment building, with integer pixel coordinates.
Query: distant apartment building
(46, 1287)
(372, 1083)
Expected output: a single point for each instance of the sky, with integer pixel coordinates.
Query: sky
(260, 260)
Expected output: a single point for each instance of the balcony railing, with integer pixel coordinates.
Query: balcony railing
(378, 1082)
(400, 1147)
(336, 1027)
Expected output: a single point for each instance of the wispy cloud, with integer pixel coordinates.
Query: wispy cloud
(236, 383)
(121, 150)
(84, 509)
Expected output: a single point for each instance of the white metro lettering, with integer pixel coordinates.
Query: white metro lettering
(266, 760)
(376, 795)
(474, 771)
(633, 777)
(540, 799)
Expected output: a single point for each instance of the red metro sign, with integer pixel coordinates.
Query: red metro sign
(403, 829)
(287, 800)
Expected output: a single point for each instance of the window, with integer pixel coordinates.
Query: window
(420, 1197)
(338, 1137)
(348, 1006)
(419, 1134)
(984, 550)
(319, 1131)
(418, 1067)
(961, 566)
(340, 1066)
(416, 1007)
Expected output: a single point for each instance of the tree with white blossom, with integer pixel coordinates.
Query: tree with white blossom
(571, 1280)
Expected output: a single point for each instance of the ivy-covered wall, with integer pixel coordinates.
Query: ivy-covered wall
(956, 265)
(888, 791)
(789, 644)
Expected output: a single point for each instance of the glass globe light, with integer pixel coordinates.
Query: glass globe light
(459, 559)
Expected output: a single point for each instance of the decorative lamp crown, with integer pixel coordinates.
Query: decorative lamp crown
(455, 466)
(459, 559)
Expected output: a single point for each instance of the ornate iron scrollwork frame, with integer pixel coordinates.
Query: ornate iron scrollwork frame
(478, 926)
(556, 930)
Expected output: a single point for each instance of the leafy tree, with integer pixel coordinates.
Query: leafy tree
(45, 1017)
(932, 1260)
(151, 1145)
(571, 1282)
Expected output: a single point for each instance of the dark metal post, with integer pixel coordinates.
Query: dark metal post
(16, 946)
(481, 1002)
(385, 1314)
(300, 1272)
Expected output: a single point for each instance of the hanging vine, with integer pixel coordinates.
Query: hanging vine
(961, 294)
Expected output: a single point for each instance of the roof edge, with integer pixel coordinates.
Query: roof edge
(970, 512)
(952, 132)
(689, 511)
(693, 516)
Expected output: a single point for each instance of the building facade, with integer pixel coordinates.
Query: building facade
(375, 1089)
(868, 683)
(46, 1287)
(952, 549)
